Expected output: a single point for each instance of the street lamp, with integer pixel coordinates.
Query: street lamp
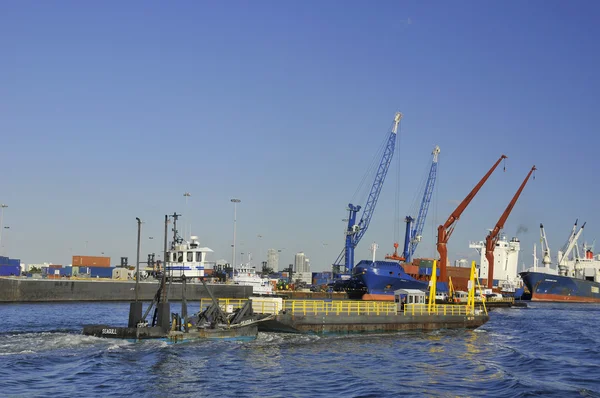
(187, 195)
(137, 260)
(235, 202)
(2, 207)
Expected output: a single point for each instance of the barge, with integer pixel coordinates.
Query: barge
(408, 312)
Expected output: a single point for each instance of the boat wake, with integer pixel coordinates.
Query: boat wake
(43, 342)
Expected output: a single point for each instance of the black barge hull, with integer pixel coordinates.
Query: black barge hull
(347, 324)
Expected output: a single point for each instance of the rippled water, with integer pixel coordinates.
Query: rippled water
(544, 350)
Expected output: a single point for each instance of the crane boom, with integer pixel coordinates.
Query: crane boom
(355, 231)
(570, 244)
(415, 235)
(445, 231)
(546, 259)
(494, 235)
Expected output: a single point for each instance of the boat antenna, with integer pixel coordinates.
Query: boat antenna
(176, 239)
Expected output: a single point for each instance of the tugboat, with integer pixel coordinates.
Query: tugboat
(209, 323)
(187, 259)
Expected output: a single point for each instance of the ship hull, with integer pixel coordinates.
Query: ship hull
(382, 278)
(556, 288)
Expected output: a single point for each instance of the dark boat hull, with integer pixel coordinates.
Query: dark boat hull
(219, 333)
(348, 324)
(548, 287)
(381, 278)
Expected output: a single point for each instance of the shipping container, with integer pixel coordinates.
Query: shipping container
(91, 261)
(428, 271)
(461, 272)
(55, 266)
(411, 269)
(10, 270)
(101, 272)
(67, 271)
(3, 260)
(15, 262)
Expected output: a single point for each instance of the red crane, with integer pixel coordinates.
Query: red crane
(494, 235)
(444, 231)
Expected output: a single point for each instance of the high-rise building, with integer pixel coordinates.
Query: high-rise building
(299, 262)
(273, 259)
(307, 265)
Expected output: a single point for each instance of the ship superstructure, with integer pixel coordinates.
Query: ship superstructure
(506, 260)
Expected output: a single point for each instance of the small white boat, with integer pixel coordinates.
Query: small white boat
(246, 275)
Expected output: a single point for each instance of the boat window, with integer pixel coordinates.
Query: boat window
(190, 257)
(180, 257)
(199, 257)
(410, 299)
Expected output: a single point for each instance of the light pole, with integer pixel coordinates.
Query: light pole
(137, 260)
(187, 195)
(235, 202)
(2, 207)
(2, 247)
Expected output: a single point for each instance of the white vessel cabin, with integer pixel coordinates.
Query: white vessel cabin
(187, 259)
(246, 275)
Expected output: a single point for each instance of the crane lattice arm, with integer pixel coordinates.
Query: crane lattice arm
(444, 231)
(415, 236)
(356, 231)
(494, 235)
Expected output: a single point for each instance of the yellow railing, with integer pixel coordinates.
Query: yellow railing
(223, 303)
(337, 307)
(343, 307)
(439, 309)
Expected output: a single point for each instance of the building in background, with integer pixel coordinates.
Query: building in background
(273, 259)
(299, 262)
(302, 268)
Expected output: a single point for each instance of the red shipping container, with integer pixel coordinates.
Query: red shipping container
(91, 261)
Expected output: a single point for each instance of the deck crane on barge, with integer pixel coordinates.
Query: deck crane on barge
(492, 238)
(412, 236)
(355, 231)
(445, 230)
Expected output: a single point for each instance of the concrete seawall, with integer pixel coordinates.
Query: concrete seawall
(13, 289)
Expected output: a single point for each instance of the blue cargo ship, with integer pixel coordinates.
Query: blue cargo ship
(377, 280)
(575, 279)
(549, 287)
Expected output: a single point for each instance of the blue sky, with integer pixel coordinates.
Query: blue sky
(112, 110)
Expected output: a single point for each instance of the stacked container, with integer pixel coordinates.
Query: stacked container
(10, 266)
(91, 261)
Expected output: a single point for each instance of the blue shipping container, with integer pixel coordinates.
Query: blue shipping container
(8, 270)
(3, 260)
(101, 272)
(428, 271)
(14, 261)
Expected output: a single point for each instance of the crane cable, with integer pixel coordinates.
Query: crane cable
(397, 193)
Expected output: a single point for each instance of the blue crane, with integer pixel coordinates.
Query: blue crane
(356, 231)
(413, 236)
